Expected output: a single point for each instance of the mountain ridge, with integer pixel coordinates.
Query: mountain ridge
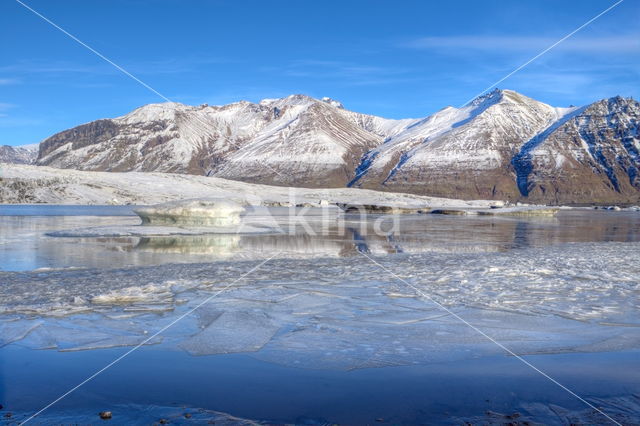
(502, 145)
(21, 154)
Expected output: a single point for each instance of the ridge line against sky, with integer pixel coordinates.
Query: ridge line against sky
(373, 57)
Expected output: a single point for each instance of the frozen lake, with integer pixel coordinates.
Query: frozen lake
(25, 245)
(319, 333)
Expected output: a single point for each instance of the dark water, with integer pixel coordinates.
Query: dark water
(137, 389)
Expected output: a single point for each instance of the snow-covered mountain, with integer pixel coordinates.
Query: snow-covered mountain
(292, 140)
(503, 145)
(21, 154)
(507, 146)
(467, 150)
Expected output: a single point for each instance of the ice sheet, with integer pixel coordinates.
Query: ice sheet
(232, 332)
(343, 313)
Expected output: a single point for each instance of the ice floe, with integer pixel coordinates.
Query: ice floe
(151, 231)
(188, 217)
(342, 313)
(205, 212)
(233, 332)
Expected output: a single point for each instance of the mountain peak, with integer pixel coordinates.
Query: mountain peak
(615, 104)
(164, 110)
(486, 99)
(332, 102)
(291, 100)
(501, 96)
(299, 99)
(612, 104)
(620, 100)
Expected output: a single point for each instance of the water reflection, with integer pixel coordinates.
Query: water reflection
(521, 234)
(24, 245)
(415, 234)
(217, 245)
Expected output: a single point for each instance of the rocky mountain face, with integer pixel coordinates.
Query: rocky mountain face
(26, 154)
(592, 153)
(502, 145)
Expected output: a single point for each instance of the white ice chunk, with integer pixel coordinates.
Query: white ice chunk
(151, 293)
(196, 212)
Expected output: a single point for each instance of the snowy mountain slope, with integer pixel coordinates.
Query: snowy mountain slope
(378, 163)
(21, 154)
(313, 140)
(466, 150)
(507, 146)
(317, 144)
(168, 137)
(592, 154)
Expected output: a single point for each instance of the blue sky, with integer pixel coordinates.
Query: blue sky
(391, 58)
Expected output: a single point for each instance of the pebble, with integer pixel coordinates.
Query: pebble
(105, 415)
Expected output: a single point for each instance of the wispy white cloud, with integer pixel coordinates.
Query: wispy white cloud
(571, 85)
(8, 121)
(6, 106)
(563, 83)
(180, 65)
(156, 66)
(344, 72)
(612, 44)
(8, 81)
(8, 118)
(55, 67)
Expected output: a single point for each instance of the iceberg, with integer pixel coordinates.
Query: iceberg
(203, 212)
